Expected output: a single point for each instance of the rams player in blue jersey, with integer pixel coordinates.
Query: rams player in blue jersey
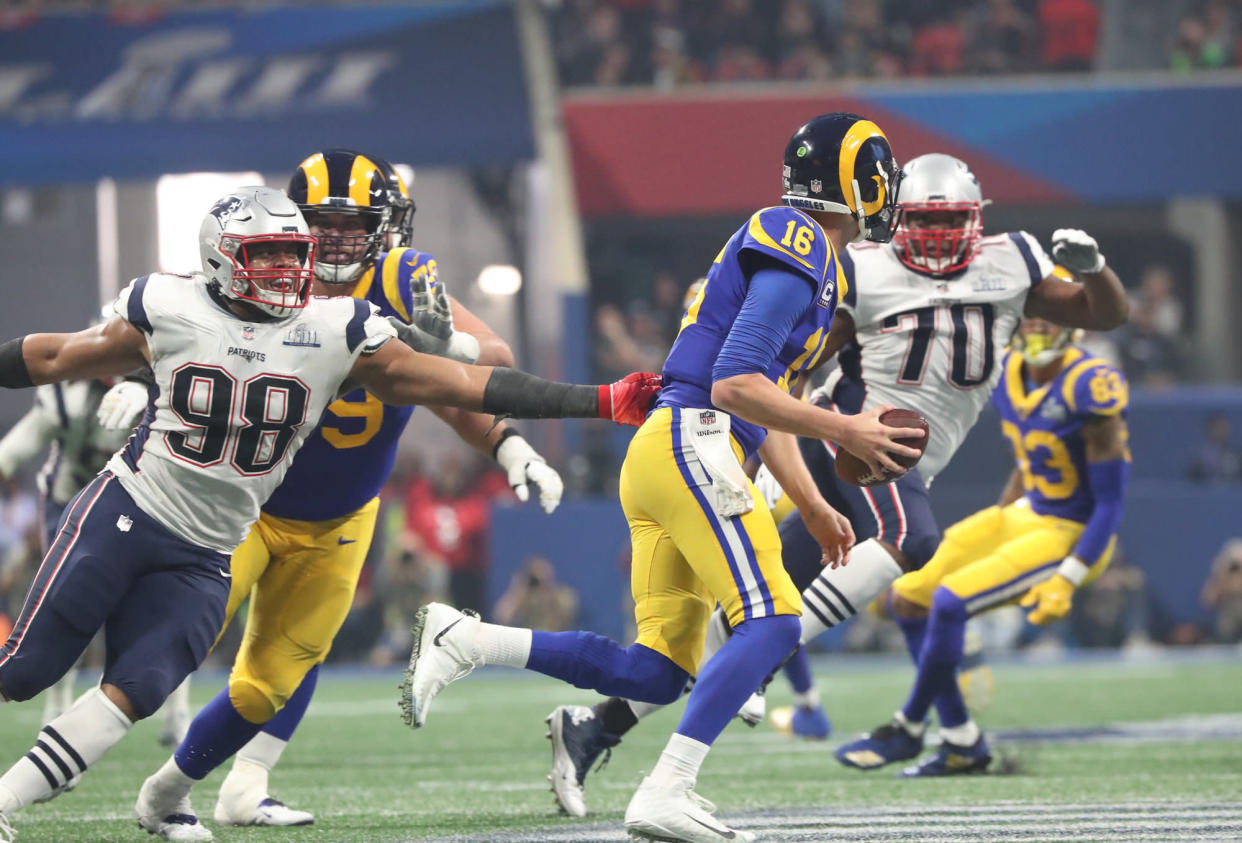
(1054, 530)
(700, 532)
(300, 563)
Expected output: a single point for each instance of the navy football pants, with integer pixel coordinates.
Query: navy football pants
(159, 599)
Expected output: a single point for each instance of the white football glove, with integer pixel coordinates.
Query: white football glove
(1076, 250)
(122, 405)
(431, 322)
(524, 465)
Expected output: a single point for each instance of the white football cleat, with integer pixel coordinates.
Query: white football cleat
(660, 812)
(244, 800)
(752, 711)
(7, 833)
(444, 651)
(263, 810)
(168, 816)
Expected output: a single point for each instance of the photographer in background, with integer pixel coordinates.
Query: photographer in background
(1222, 593)
(536, 600)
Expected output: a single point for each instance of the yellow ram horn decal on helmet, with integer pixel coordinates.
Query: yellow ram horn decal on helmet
(860, 132)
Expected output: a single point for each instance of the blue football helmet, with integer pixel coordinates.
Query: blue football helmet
(842, 164)
(344, 182)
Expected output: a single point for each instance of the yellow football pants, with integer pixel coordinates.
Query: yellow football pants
(686, 557)
(300, 577)
(995, 555)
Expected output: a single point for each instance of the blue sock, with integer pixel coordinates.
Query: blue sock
(798, 671)
(287, 719)
(941, 653)
(587, 660)
(913, 629)
(755, 647)
(215, 734)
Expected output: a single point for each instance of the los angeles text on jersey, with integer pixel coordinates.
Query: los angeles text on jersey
(248, 353)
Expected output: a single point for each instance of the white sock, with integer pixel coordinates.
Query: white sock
(263, 749)
(66, 747)
(507, 645)
(838, 594)
(808, 701)
(913, 729)
(245, 779)
(680, 761)
(170, 784)
(963, 735)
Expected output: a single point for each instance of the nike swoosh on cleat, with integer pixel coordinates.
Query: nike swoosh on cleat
(436, 641)
(343, 540)
(723, 832)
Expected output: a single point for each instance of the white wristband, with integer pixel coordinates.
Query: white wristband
(1074, 569)
(462, 347)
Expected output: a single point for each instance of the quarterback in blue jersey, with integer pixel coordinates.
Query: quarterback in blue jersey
(700, 532)
(1054, 530)
(300, 563)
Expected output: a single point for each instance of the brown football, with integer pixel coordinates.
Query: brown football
(851, 469)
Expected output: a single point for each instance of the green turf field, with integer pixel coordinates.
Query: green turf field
(476, 771)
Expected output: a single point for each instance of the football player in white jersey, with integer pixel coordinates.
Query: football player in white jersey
(244, 362)
(922, 327)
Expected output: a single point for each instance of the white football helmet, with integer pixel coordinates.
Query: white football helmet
(941, 214)
(239, 222)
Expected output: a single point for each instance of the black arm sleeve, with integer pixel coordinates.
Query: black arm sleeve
(13, 371)
(510, 392)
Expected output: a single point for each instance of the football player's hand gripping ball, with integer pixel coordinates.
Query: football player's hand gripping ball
(1051, 600)
(1076, 250)
(122, 405)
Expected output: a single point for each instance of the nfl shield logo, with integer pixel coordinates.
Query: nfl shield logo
(707, 417)
(817, 186)
(248, 332)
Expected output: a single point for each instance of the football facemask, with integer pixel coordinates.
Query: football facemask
(271, 271)
(939, 237)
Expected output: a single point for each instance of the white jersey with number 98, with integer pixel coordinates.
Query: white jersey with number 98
(234, 400)
(934, 345)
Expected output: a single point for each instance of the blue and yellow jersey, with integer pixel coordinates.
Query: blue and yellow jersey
(1044, 425)
(797, 242)
(347, 458)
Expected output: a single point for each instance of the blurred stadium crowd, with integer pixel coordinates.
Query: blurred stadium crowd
(668, 43)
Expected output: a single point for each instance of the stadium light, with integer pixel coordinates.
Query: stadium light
(181, 202)
(500, 280)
